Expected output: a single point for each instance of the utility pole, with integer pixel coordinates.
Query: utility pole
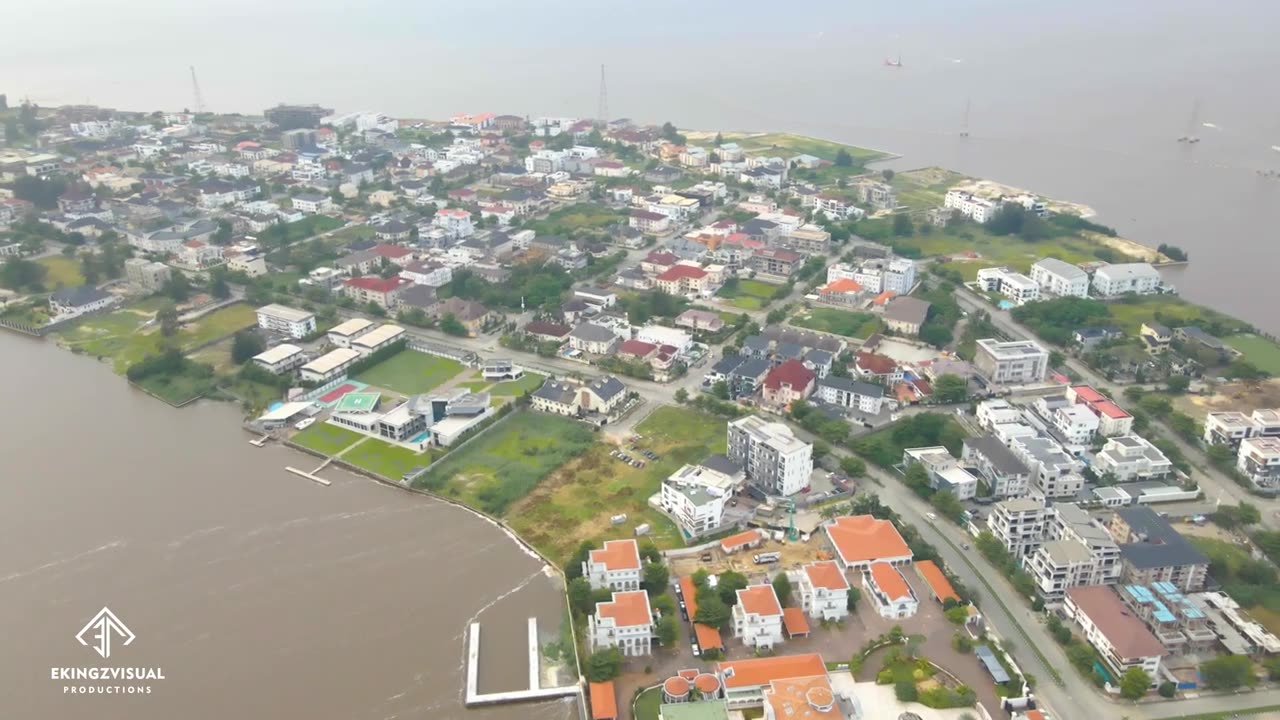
(602, 109)
(195, 88)
(964, 123)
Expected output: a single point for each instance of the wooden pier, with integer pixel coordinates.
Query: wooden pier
(535, 691)
(312, 475)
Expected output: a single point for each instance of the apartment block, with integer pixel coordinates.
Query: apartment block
(1132, 457)
(1019, 525)
(1011, 363)
(1060, 279)
(1004, 474)
(774, 459)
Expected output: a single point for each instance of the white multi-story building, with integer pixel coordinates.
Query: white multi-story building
(1061, 279)
(757, 618)
(290, 321)
(774, 458)
(996, 412)
(823, 590)
(1054, 472)
(1139, 278)
(280, 359)
(1014, 285)
(329, 366)
(615, 566)
(980, 210)
(377, 339)
(998, 466)
(1227, 428)
(1259, 460)
(625, 622)
(695, 495)
(455, 222)
(312, 203)
(1016, 362)
(1067, 521)
(1076, 423)
(1019, 525)
(856, 395)
(1059, 565)
(1131, 457)
(889, 592)
(896, 275)
(343, 334)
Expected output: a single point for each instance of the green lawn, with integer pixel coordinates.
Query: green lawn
(992, 249)
(839, 322)
(787, 143)
(219, 323)
(385, 459)
(1173, 311)
(647, 704)
(410, 372)
(474, 386)
(178, 389)
(530, 381)
(62, 271)
(505, 462)
(920, 190)
(1263, 353)
(575, 503)
(579, 216)
(326, 438)
(354, 232)
(749, 294)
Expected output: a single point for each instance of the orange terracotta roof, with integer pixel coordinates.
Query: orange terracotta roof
(890, 581)
(1035, 715)
(884, 297)
(937, 581)
(760, 600)
(733, 542)
(842, 285)
(863, 538)
(761, 671)
(627, 609)
(706, 683)
(794, 621)
(826, 575)
(604, 701)
(618, 555)
(810, 698)
(675, 686)
(708, 637)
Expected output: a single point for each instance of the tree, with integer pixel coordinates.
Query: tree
(1167, 689)
(843, 158)
(905, 691)
(887, 174)
(720, 390)
(450, 325)
(656, 576)
(957, 615)
(1177, 384)
(1134, 683)
(730, 583)
(18, 273)
(178, 287)
(712, 610)
(604, 664)
(665, 629)
(1228, 672)
(782, 587)
(949, 388)
(682, 396)
(853, 466)
(168, 319)
(573, 568)
(579, 590)
(902, 226)
(854, 595)
(222, 235)
(246, 344)
(218, 286)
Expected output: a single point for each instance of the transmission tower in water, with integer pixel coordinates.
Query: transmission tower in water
(602, 109)
(964, 123)
(195, 88)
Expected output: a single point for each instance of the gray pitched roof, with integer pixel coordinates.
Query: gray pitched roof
(857, 387)
(907, 309)
(556, 392)
(592, 333)
(1000, 457)
(728, 364)
(418, 296)
(607, 387)
(1160, 545)
(752, 368)
(79, 296)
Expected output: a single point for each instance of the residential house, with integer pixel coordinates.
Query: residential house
(775, 261)
(1019, 288)
(471, 314)
(544, 331)
(599, 397)
(906, 315)
(875, 368)
(289, 321)
(280, 359)
(823, 590)
(1120, 638)
(685, 281)
(888, 591)
(1131, 457)
(787, 383)
(615, 566)
(700, 320)
(1112, 419)
(695, 495)
(1019, 525)
(651, 223)
(980, 210)
(147, 275)
(843, 292)
(1152, 551)
(330, 366)
(593, 339)
(757, 617)
(382, 292)
(852, 395)
(1060, 279)
(624, 622)
(1155, 337)
(312, 203)
(1259, 460)
(1014, 362)
(431, 273)
(79, 300)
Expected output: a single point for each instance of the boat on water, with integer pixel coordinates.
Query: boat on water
(893, 62)
(304, 423)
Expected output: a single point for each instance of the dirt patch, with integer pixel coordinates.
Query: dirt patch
(992, 189)
(1207, 530)
(794, 554)
(1240, 396)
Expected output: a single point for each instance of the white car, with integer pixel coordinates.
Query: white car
(931, 516)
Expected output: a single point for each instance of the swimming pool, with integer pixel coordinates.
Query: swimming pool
(420, 437)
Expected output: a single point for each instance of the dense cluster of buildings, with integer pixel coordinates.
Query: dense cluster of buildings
(1051, 277)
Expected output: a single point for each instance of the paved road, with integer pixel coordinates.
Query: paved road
(1215, 485)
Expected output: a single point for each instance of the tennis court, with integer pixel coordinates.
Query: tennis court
(330, 398)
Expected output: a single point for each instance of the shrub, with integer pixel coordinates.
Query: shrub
(905, 691)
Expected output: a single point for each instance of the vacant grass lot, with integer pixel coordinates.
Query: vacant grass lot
(62, 271)
(530, 381)
(576, 502)
(129, 334)
(749, 294)
(217, 324)
(767, 143)
(326, 438)
(579, 216)
(381, 457)
(991, 249)
(504, 463)
(179, 389)
(410, 372)
(1263, 353)
(839, 322)
(1173, 311)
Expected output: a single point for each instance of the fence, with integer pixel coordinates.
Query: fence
(314, 393)
(422, 345)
